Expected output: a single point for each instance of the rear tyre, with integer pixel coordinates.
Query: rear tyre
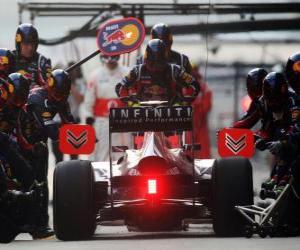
(74, 210)
(231, 185)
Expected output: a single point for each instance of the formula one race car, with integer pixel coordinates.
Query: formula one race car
(156, 187)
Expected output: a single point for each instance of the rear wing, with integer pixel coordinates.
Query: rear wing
(166, 118)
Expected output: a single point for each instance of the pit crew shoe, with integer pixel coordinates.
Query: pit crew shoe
(42, 233)
(269, 185)
(278, 190)
(265, 193)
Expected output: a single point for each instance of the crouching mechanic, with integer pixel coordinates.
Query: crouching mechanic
(279, 121)
(156, 79)
(15, 208)
(13, 95)
(254, 84)
(37, 126)
(15, 172)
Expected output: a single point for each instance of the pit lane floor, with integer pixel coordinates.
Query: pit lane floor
(117, 237)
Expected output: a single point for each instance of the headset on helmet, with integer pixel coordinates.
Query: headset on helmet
(254, 82)
(18, 89)
(162, 31)
(155, 55)
(59, 85)
(26, 33)
(275, 91)
(6, 62)
(292, 72)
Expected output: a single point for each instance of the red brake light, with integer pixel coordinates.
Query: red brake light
(152, 187)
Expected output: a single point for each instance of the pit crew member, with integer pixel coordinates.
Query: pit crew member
(37, 126)
(28, 61)
(156, 79)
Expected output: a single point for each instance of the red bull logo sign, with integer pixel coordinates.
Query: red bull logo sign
(120, 36)
(115, 37)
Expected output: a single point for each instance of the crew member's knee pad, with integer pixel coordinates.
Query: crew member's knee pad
(8, 230)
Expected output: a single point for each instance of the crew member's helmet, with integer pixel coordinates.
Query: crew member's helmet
(26, 33)
(162, 31)
(254, 81)
(18, 89)
(275, 91)
(59, 85)
(6, 62)
(155, 56)
(292, 72)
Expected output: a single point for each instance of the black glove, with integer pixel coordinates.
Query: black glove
(40, 148)
(117, 89)
(90, 121)
(261, 144)
(37, 190)
(18, 197)
(274, 147)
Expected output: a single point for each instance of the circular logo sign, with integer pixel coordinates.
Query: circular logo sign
(120, 36)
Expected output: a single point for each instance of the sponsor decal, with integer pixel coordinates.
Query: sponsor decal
(120, 36)
(25, 74)
(76, 139)
(150, 119)
(4, 60)
(50, 81)
(187, 78)
(236, 142)
(11, 88)
(296, 67)
(18, 38)
(46, 114)
(3, 94)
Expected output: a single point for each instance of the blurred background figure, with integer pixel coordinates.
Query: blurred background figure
(78, 89)
(202, 106)
(99, 98)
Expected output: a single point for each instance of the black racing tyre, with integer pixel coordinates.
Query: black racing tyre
(74, 212)
(231, 185)
(248, 232)
(262, 232)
